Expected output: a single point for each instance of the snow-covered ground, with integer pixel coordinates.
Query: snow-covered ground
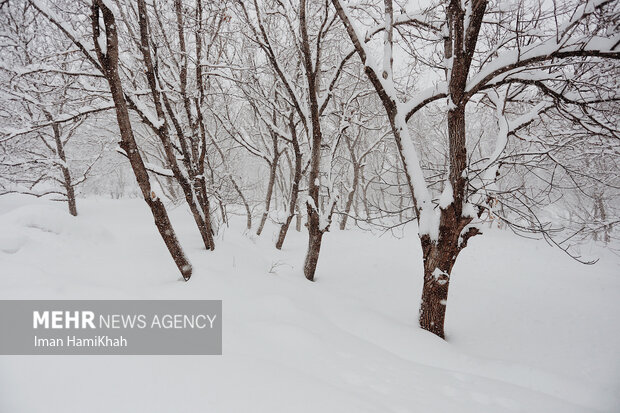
(528, 329)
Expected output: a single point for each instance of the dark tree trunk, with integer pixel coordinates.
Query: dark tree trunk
(437, 268)
(314, 248)
(109, 63)
(71, 197)
(315, 232)
(441, 254)
(190, 185)
(196, 170)
(439, 257)
(188, 189)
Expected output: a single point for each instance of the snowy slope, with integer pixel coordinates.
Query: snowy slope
(528, 329)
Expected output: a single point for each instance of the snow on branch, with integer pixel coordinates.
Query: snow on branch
(59, 119)
(157, 170)
(559, 46)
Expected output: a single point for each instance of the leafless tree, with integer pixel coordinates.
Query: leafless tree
(484, 51)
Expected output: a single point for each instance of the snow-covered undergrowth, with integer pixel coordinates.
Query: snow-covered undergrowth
(528, 329)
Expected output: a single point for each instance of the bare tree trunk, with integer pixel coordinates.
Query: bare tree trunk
(365, 186)
(400, 197)
(351, 196)
(440, 255)
(197, 170)
(294, 189)
(109, 63)
(314, 248)
(299, 218)
(272, 179)
(603, 217)
(245, 203)
(66, 174)
(315, 232)
(162, 132)
(291, 214)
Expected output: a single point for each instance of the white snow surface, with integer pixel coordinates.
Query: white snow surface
(528, 329)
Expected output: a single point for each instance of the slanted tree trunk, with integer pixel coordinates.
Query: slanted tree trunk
(351, 196)
(66, 174)
(294, 188)
(248, 212)
(273, 170)
(109, 63)
(400, 197)
(196, 171)
(273, 167)
(189, 190)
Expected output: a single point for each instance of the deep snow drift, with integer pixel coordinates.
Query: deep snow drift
(528, 328)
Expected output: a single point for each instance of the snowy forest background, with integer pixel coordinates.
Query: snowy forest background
(291, 121)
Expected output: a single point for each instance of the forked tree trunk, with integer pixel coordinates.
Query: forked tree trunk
(189, 190)
(460, 38)
(315, 232)
(109, 63)
(441, 254)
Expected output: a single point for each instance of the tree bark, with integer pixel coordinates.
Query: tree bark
(351, 196)
(441, 254)
(439, 257)
(272, 179)
(299, 218)
(66, 174)
(314, 247)
(188, 189)
(315, 233)
(294, 187)
(109, 63)
(248, 212)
